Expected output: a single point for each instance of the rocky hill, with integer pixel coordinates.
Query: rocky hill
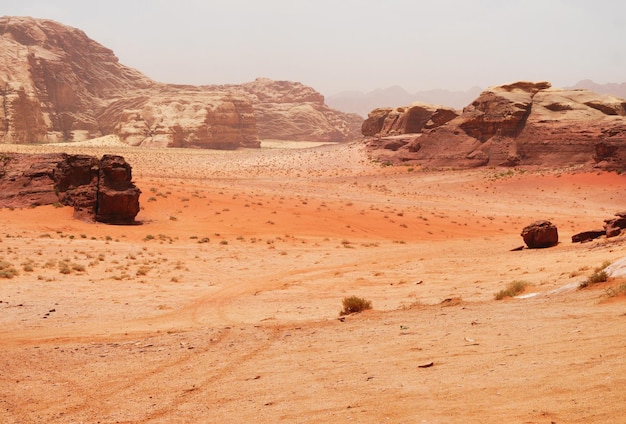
(613, 88)
(523, 123)
(56, 84)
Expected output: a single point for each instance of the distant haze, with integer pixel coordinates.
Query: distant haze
(363, 103)
(335, 46)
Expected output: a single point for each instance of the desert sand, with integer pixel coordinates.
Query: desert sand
(222, 304)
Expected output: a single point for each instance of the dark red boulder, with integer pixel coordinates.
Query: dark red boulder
(540, 234)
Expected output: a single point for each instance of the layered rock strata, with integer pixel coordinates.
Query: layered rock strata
(523, 123)
(58, 85)
(100, 190)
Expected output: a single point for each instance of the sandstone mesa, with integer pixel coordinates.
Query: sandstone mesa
(59, 85)
(523, 123)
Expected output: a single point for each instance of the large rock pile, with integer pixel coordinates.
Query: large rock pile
(97, 189)
(516, 124)
(56, 84)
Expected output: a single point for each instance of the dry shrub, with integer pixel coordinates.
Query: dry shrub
(354, 304)
(599, 276)
(7, 270)
(512, 289)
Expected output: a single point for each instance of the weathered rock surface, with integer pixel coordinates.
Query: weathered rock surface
(614, 226)
(287, 110)
(587, 236)
(540, 234)
(523, 123)
(617, 268)
(97, 189)
(413, 119)
(118, 197)
(56, 84)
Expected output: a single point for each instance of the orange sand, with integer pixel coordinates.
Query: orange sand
(223, 305)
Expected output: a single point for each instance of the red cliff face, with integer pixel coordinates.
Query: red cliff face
(97, 189)
(56, 84)
(519, 124)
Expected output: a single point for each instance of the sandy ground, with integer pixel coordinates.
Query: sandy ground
(223, 304)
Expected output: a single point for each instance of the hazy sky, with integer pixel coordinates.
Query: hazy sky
(337, 45)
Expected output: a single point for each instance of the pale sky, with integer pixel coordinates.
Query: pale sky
(338, 45)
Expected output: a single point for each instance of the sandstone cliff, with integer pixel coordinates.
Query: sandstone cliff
(516, 124)
(293, 111)
(97, 189)
(56, 84)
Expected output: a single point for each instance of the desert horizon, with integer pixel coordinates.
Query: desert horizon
(427, 254)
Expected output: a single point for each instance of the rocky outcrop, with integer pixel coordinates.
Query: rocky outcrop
(613, 227)
(182, 117)
(540, 234)
(523, 124)
(97, 189)
(56, 84)
(287, 110)
(118, 197)
(586, 236)
(416, 118)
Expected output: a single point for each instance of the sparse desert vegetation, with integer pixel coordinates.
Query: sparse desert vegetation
(512, 289)
(221, 314)
(354, 304)
(7, 270)
(599, 276)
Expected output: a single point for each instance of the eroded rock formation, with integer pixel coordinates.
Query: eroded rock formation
(516, 124)
(56, 84)
(97, 189)
(613, 227)
(293, 111)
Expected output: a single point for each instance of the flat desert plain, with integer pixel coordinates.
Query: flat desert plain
(222, 304)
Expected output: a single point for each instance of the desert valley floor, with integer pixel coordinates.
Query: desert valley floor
(223, 304)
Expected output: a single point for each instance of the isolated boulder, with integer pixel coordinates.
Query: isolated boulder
(540, 234)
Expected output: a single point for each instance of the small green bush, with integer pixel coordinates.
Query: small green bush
(354, 304)
(512, 289)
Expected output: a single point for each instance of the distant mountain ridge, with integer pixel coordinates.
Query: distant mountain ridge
(363, 103)
(612, 88)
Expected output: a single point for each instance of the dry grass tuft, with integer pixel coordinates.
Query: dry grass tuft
(354, 304)
(512, 289)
